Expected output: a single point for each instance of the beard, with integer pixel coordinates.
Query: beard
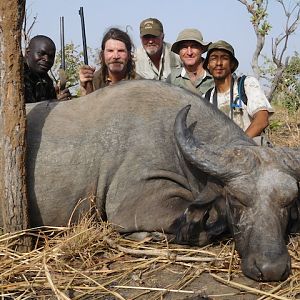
(116, 66)
(151, 50)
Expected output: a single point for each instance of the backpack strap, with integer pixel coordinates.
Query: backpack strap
(208, 95)
(241, 89)
(242, 96)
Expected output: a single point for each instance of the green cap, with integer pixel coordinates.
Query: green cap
(221, 45)
(189, 34)
(151, 26)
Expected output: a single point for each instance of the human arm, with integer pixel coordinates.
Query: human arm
(86, 75)
(259, 122)
(258, 107)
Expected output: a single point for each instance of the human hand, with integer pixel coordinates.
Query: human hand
(64, 95)
(86, 74)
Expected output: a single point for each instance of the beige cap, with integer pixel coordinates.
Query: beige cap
(189, 34)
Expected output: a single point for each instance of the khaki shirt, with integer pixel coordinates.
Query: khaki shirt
(146, 69)
(180, 78)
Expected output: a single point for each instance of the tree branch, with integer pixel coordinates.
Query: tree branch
(278, 55)
(258, 11)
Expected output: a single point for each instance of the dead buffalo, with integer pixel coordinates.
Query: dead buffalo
(118, 144)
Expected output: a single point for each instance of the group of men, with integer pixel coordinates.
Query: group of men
(180, 64)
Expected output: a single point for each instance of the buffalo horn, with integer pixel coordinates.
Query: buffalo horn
(218, 161)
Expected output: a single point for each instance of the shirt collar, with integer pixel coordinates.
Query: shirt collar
(108, 80)
(184, 74)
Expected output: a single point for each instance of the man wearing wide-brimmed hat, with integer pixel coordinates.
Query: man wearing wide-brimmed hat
(154, 60)
(251, 109)
(190, 47)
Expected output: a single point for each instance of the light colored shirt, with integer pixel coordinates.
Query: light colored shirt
(146, 69)
(181, 78)
(256, 101)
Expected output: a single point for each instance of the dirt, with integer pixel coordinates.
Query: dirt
(203, 285)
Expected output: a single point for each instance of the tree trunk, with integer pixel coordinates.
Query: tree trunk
(14, 204)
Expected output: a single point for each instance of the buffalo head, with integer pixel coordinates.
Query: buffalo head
(259, 187)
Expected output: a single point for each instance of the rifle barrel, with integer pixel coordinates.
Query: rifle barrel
(62, 43)
(85, 56)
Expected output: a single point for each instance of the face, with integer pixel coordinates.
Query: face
(190, 53)
(259, 213)
(220, 64)
(115, 56)
(152, 44)
(40, 55)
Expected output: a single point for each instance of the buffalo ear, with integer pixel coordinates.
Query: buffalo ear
(220, 162)
(290, 160)
(294, 219)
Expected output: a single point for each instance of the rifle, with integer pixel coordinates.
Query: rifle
(89, 85)
(85, 56)
(62, 68)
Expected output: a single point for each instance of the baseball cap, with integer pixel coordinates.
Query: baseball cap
(151, 26)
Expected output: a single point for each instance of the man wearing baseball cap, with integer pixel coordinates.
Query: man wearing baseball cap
(250, 109)
(190, 47)
(154, 59)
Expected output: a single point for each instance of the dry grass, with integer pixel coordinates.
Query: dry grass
(91, 261)
(285, 128)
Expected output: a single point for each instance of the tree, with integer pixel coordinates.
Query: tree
(26, 30)
(287, 92)
(262, 27)
(13, 123)
(73, 60)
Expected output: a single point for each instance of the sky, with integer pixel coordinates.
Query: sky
(217, 20)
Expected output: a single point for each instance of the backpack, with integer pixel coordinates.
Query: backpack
(241, 90)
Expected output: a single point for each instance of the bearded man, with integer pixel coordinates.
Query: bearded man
(154, 60)
(116, 60)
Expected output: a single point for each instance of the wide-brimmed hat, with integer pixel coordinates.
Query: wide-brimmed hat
(189, 34)
(221, 45)
(151, 26)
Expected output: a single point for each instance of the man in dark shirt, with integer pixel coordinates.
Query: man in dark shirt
(39, 59)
